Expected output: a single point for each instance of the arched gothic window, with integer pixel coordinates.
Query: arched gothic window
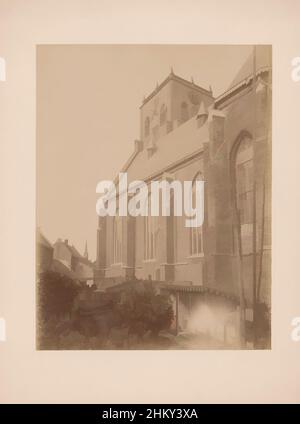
(196, 233)
(244, 191)
(150, 234)
(117, 240)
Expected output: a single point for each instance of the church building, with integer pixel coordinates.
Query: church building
(187, 134)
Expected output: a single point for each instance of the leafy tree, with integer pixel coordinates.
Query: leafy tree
(56, 294)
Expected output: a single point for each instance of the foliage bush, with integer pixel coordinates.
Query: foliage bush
(128, 315)
(56, 294)
(141, 309)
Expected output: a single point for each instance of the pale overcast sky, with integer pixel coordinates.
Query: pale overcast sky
(88, 117)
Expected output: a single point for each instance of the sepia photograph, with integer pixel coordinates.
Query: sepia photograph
(149, 208)
(153, 201)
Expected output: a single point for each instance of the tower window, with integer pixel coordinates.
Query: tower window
(184, 113)
(163, 115)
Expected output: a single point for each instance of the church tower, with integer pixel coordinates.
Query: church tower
(171, 104)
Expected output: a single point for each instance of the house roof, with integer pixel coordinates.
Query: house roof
(86, 261)
(60, 268)
(74, 251)
(42, 240)
(80, 257)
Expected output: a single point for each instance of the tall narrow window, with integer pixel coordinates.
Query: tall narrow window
(196, 234)
(163, 115)
(117, 240)
(150, 234)
(147, 127)
(184, 113)
(244, 191)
